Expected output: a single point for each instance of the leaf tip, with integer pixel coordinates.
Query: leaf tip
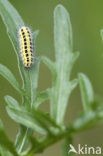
(5, 97)
(60, 8)
(80, 75)
(36, 33)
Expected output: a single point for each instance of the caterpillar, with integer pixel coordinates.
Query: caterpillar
(26, 46)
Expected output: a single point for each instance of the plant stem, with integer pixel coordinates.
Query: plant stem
(68, 131)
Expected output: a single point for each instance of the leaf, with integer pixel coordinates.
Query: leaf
(86, 91)
(49, 63)
(63, 33)
(41, 97)
(86, 121)
(65, 60)
(73, 84)
(35, 72)
(12, 103)
(22, 139)
(7, 74)
(72, 59)
(35, 34)
(34, 79)
(5, 142)
(26, 119)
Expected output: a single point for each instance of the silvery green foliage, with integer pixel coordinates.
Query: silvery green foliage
(27, 114)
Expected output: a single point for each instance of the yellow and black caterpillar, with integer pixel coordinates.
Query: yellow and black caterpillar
(26, 46)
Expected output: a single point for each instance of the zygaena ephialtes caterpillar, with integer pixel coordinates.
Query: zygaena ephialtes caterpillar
(26, 46)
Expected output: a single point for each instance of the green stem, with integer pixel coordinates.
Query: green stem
(85, 122)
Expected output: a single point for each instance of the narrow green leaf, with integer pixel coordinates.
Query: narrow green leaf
(65, 60)
(63, 33)
(86, 91)
(73, 84)
(12, 102)
(22, 139)
(35, 34)
(49, 63)
(86, 121)
(34, 73)
(26, 119)
(73, 57)
(5, 142)
(41, 97)
(7, 74)
(34, 79)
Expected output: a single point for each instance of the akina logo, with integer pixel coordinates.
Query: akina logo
(85, 150)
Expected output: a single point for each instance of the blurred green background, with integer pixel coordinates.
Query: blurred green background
(87, 20)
